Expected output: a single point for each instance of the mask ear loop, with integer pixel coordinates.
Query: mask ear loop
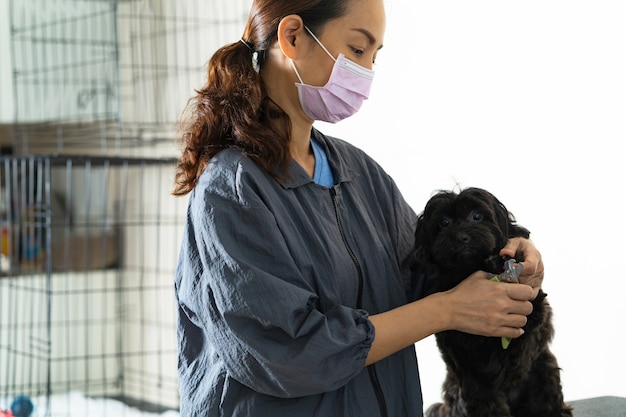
(320, 43)
(296, 71)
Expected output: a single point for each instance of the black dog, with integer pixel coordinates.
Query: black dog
(456, 235)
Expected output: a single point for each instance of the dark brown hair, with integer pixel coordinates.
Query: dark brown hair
(233, 109)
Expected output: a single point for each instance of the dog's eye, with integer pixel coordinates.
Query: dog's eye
(477, 216)
(445, 222)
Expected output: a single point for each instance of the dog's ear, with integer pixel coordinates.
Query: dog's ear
(503, 217)
(426, 229)
(423, 227)
(420, 256)
(420, 261)
(507, 221)
(516, 230)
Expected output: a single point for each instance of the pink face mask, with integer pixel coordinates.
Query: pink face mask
(342, 96)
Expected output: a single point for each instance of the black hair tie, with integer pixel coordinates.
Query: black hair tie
(250, 48)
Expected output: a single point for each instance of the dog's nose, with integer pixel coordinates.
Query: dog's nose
(463, 238)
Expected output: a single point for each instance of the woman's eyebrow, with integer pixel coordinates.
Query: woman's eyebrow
(368, 34)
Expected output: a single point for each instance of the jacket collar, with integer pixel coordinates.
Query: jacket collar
(297, 176)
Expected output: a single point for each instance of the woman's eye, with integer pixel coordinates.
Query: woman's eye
(358, 51)
(477, 215)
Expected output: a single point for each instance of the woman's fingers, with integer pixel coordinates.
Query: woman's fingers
(490, 308)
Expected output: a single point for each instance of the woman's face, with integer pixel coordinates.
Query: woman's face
(358, 35)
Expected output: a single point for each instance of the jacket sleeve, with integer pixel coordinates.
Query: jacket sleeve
(239, 286)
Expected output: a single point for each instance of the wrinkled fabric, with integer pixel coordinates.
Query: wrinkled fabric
(268, 321)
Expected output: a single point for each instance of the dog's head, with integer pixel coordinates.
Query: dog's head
(462, 233)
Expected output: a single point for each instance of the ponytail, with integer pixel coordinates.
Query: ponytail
(232, 110)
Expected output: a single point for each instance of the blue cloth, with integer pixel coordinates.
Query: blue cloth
(272, 306)
(323, 174)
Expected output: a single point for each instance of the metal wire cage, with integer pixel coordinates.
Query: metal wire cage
(106, 76)
(86, 300)
(89, 231)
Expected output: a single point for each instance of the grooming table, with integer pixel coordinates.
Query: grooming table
(600, 407)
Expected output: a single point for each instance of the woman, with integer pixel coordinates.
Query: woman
(294, 292)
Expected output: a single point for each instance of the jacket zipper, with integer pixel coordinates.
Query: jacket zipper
(380, 396)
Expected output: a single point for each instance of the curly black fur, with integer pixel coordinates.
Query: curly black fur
(458, 234)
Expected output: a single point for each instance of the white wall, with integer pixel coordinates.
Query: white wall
(528, 100)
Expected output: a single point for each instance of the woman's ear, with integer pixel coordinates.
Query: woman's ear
(291, 33)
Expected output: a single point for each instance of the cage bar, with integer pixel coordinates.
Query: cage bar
(89, 229)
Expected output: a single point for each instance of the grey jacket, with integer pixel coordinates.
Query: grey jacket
(275, 283)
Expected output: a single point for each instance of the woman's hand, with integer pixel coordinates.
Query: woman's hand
(481, 306)
(477, 305)
(532, 273)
